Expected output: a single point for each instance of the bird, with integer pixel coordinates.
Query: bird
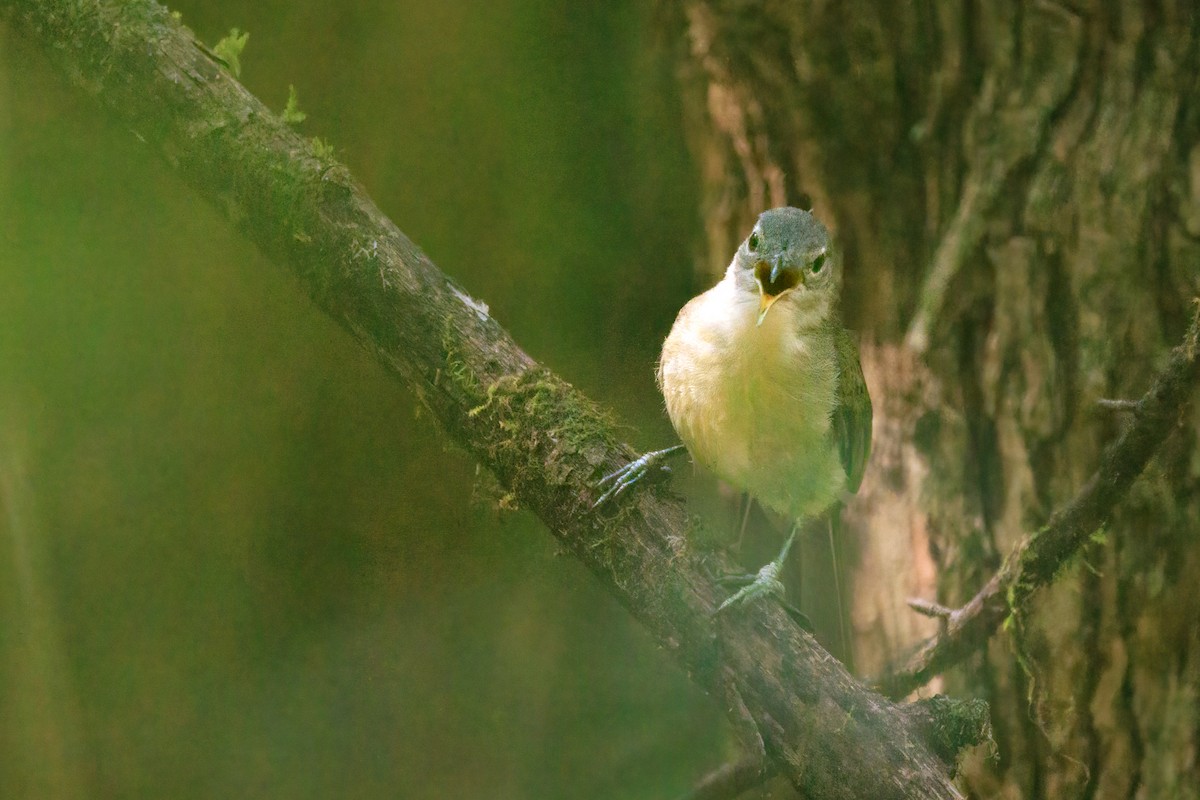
(762, 383)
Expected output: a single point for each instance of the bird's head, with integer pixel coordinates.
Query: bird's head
(787, 258)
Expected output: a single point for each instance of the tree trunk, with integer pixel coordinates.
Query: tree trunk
(1016, 189)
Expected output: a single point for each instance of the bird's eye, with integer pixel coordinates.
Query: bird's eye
(818, 263)
(752, 242)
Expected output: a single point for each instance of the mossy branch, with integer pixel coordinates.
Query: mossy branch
(545, 442)
(1038, 559)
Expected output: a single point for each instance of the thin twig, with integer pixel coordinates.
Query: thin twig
(928, 608)
(1037, 559)
(731, 780)
(1117, 405)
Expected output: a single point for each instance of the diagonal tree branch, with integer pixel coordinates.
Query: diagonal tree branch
(543, 440)
(1037, 560)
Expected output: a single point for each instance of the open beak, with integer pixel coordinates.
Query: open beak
(774, 281)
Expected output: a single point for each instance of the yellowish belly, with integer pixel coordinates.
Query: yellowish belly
(753, 404)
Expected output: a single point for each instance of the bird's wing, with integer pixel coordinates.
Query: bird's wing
(852, 414)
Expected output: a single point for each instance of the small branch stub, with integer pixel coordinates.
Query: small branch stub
(928, 608)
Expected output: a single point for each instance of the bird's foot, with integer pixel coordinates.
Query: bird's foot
(764, 584)
(633, 472)
(757, 586)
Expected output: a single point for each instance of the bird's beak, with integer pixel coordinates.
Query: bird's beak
(765, 301)
(774, 281)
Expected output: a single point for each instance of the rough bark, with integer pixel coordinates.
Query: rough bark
(1039, 559)
(544, 442)
(1016, 188)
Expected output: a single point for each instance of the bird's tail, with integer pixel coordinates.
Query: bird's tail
(809, 581)
(835, 540)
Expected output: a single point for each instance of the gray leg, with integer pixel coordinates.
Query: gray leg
(766, 582)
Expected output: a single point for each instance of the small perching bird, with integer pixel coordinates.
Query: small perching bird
(763, 384)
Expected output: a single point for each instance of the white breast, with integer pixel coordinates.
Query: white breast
(753, 403)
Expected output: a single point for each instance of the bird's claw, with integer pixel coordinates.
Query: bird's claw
(633, 472)
(765, 584)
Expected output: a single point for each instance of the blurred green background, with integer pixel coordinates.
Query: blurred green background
(234, 561)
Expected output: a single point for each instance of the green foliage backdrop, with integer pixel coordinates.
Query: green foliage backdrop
(234, 561)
